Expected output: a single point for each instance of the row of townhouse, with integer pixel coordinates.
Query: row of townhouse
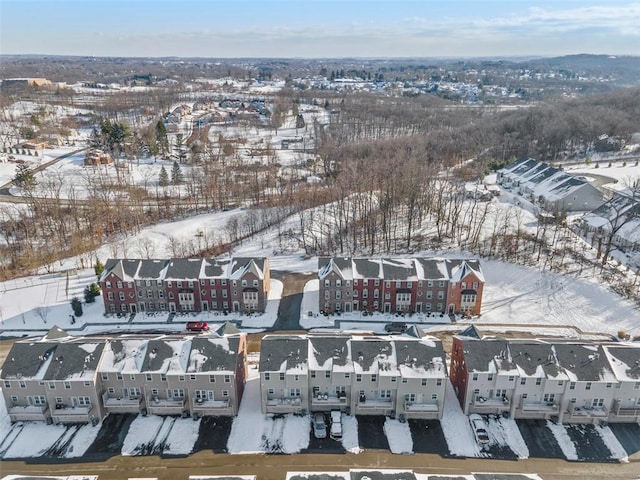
(399, 376)
(413, 285)
(572, 382)
(63, 379)
(554, 189)
(185, 284)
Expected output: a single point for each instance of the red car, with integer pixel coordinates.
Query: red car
(197, 326)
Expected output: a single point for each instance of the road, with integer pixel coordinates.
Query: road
(289, 309)
(274, 467)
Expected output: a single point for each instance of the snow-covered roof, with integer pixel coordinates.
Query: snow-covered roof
(625, 361)
(404, 269)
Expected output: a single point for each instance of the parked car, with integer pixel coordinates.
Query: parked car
(336, 425)
(395, 327)
(197, 326)
(479, 428)
(319, 426)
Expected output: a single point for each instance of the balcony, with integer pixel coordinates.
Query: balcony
(320, 399)
(65, 414)
(374, 405)
(620, 411)
(540, 407)
(203, 407)
(284, 404)
(115, 404)
(578, 413)
(28, 413)
(421, 407)
(491, 405)
(165, 406)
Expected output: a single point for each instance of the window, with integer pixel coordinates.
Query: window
(409, 284)
(7, 384)
(453, 285)
(511, 378)
(441, 284)
(597, 402)
(87, 383)
(118, 376)
(111, 390)
(110, 295)
(423, 382)
(227, 379)
(490, 377)
(347, 375)
(192, 377)
(119, 284)
(282, 376)
(212, 378)
(23, 384)
(14, 398)
(132, 377)
(244, 283)
(59, 400)
(636, 386)
(405, 380)
(475, 285)
(270, 391)
(429, 295)
(327, 374)
(340, 389)
(67, 385)
(560, 383)
(549, 397)
(358, 377)
(587, 386)
(181, 378)
(523, 381)
(474, 377)
(609, 385)
(394, 379)
(149, 377)
(385, 394)
(108, 284)
(434, 396)
(327, 283)
(398, 284)
(374, 378)
(439, 382)
(463, 285)
(538, 381)
(525, 395)
(121, 296)
(294, 392)
(572, 386)
(409, 397)
(163, 377)
(440, 295)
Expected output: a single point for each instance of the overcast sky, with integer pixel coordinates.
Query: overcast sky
(319, 28)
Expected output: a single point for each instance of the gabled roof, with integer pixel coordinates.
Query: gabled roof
(28, 360)
(486, 356)
(337, 265)
(459, 269)
(281, 353)
(421, 357)
(373, 355)
(214, 354)
(124, 269)
(584, 362)
(241, 266)
(625, 361)
(124, 355)
(167, 354)
(152, 269)
(73, 360)
(184, 268)
(329, 352)
(535, 359)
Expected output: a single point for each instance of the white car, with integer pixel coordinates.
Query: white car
(479, 428)
(319, 427)
(336, 425)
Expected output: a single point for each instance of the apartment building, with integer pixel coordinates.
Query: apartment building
(572, 382)
(185, 285)
(80, 380)
(418, 285)
(362, 375)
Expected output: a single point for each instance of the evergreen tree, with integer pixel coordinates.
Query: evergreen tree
(91, 292)
(161, 138)
(24, 177)
(176, 174)
(164, 177)
(98, 268)
(76, 305)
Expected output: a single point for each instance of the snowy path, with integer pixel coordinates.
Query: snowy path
(456, 428)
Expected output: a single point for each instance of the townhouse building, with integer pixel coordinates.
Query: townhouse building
(185, 285)
(419, 285)
(80, 380)
(550, 187)
(53, 381)
(361, 375)
(567, 381)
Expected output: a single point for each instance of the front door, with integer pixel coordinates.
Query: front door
(132, 308)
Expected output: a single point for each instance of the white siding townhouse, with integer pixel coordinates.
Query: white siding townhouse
(365, 375)
(572, 382)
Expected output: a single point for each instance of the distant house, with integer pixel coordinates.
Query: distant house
(619, 218)
(96, 157)
(399, 376)
(186, 285)
(550, 187)
(390, 285)
(573, 382)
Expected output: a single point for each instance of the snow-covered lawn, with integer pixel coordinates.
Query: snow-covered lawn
(456, 428)
(398, 435)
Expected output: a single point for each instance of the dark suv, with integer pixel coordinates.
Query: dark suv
(395, 327)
